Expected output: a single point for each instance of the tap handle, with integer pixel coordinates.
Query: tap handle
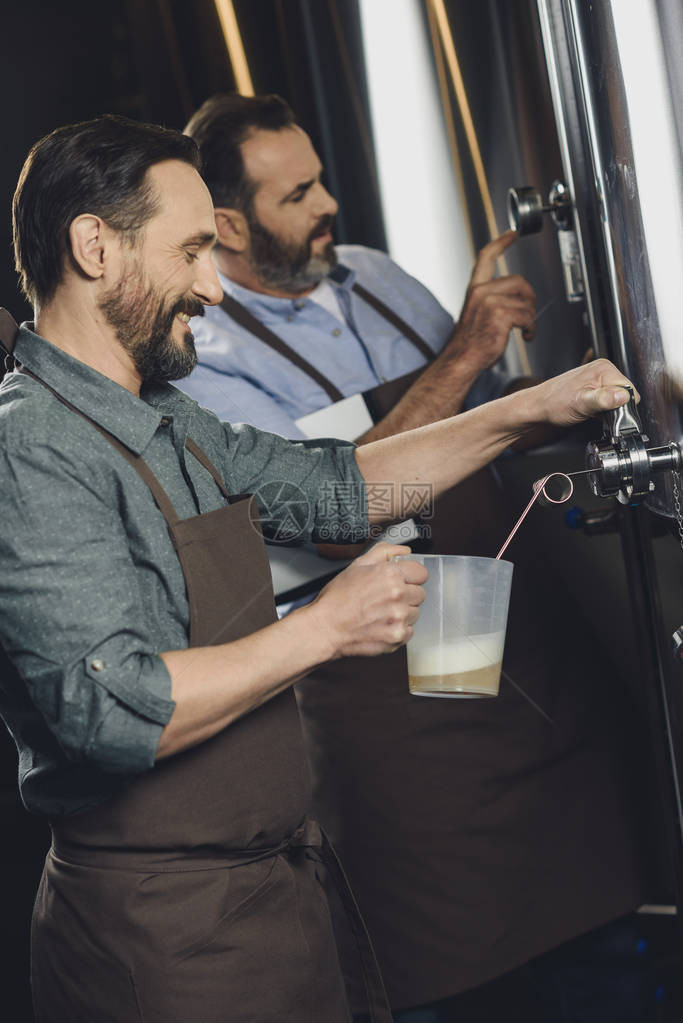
(623, 421)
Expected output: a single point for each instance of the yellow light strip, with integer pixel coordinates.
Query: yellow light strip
(465, 112)
(233, 40)
(448, 45)
(447, 108)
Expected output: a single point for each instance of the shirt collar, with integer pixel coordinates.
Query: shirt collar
(341, 277)
(133, 420)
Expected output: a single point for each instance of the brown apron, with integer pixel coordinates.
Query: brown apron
(476, 834)
(195, 892)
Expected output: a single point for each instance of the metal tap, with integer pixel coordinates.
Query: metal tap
(621, 463)
(525, 209)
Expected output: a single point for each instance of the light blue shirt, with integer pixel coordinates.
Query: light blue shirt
(243, 380)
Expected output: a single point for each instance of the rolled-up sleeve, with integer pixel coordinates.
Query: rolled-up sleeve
(71, 615)
(309, 490)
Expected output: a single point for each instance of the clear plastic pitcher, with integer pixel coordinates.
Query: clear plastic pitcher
(457, 646)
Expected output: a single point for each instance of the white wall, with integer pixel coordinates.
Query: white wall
(657, 160)
(423, 213)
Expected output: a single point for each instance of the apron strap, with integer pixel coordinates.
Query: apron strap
(241, 315)
(161, 498)
(204, 460)
(378, 1000)
(8, 335)
(8, 331)
(393, 318)
(311, 836)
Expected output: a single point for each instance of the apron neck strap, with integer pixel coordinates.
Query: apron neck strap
(8, 331)
(8, 336)
(393, 318)
(163, 501)
(204, 460)
(241, 315)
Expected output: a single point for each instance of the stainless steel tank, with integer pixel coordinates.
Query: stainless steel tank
(580, 113)
(614, 101)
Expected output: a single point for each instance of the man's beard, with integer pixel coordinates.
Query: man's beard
(288, 266)
(142, 318)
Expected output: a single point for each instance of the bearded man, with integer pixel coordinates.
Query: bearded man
(481, 837)
(152, 701)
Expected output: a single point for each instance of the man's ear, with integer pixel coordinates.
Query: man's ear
(232, 229)
(87, 235)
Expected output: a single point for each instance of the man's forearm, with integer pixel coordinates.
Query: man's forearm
(214, 686)
(367, 609)
(541, 434)
(492, 308)
(438, 392)
(440, 455)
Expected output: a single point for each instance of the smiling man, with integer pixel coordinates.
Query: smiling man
(152, 702)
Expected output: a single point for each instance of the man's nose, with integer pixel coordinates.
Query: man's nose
(326, 204)
(207, 287)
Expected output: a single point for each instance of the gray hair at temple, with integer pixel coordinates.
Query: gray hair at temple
(219, 128)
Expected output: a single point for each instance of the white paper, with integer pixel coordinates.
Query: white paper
(347, 419)
(291, 567)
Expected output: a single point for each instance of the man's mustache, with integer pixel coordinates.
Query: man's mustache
(322, 227)
(191, 306)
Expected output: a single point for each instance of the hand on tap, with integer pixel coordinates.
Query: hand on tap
(580, 393)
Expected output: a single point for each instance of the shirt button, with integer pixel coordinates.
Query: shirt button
(289, 317)
(97, 664)
(299, 305)
(336, 332)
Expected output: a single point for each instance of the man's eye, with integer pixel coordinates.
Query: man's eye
(298, 197)
(191, 256)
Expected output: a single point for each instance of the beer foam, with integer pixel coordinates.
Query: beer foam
(449, 658)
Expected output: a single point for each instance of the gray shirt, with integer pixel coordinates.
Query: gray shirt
(91, 589)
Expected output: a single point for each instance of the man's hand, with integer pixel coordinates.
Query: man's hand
(492, 308)
(370, 608)
(579, 394)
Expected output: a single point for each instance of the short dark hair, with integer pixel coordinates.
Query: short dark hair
(219, 127)
(96, 167)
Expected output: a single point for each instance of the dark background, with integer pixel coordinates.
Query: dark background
(157, 60)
